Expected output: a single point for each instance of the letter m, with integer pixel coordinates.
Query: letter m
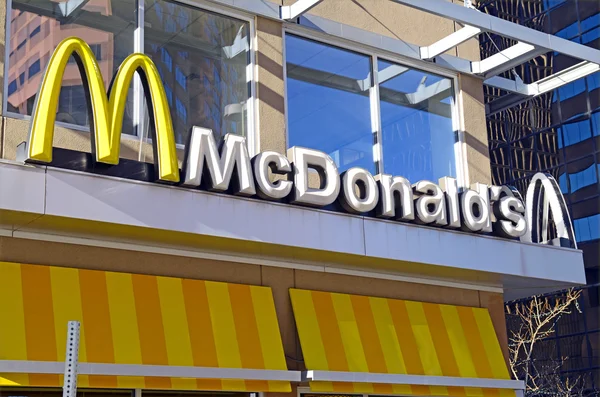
(106, 113)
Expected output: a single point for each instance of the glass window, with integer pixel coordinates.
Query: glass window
(570, 90)
(35, 31)
(328, 101)
(583, 178)
(569, 32)
(573, 133)
(180, 77)
(562, 182)
(587, 228)
(329, 109)
(175, 39)
(593, 81)
(590, 22)
(34, 68)
(169, 93)
(12, 87)
(416, 123)
(596, 123)
(112, 31)
(196, 54)
(590, 36)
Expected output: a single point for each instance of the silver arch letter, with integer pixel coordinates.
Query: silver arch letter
(543, 196)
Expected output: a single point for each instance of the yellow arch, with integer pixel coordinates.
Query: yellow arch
(107, 114)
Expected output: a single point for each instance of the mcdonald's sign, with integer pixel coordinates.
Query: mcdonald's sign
(228, 167)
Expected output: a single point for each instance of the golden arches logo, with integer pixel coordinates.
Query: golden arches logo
(106, 109)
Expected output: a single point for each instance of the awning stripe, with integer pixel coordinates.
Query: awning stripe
(138, 319)
(350, 333)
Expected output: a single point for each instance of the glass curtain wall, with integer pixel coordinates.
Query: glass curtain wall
(369, 113)
(202, 58)
(558, 133)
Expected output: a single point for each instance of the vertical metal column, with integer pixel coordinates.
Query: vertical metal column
(138, 89)
(71, 360)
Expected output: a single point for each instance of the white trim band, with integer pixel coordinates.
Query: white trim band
(400, 379)
(57, 367)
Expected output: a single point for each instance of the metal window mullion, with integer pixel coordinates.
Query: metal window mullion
(376, 117)
(138, 90)
(7, 46)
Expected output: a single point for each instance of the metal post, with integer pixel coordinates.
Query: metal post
(71, 360)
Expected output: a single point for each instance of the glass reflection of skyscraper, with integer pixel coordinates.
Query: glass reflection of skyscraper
(35, 35)
(201, 57)
(559, 133)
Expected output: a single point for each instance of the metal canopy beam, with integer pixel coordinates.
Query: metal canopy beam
(507, 59)
(449, 42)
(489, 23)
(298, 8)
(520, 92)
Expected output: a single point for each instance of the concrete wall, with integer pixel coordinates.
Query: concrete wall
(279, 279)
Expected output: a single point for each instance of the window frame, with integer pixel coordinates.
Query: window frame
(252, 137)
(460, 155)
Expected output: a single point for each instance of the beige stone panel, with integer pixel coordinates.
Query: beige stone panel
(495, 304)
(387, 18)
(98, 258)
(270, 85)
(332, 282)
(475, 129)
(281, 280)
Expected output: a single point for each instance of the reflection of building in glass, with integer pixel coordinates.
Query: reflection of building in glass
(33, 39)
(202, 60)
(201, 57)
(329, 109)
(559, 133)
(34, 36)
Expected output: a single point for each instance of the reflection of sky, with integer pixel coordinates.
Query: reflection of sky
(328, 119)
(417, 144)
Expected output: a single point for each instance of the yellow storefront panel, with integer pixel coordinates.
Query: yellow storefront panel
(351, 333)
(139, 320)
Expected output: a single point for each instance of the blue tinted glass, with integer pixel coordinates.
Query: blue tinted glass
(34, 31)
(590, 36)
(562, 182)
(570, 90)
(168, 93)
(596, 123)
(416, 122)
(593, 81)
(328, 102)
(552, 3)
(12, 87)
(34, 68)
(588, 228)
(568, 32)
(590, 22)
(575, 132)
(583, 178)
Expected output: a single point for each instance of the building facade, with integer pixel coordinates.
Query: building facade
(240, 197)
(557, 132)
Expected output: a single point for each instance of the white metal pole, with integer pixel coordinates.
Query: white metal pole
(71, 360)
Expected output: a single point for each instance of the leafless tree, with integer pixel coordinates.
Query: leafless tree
(536, 319)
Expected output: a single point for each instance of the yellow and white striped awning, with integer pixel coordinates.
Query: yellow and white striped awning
(138, 324)
(360, 344)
